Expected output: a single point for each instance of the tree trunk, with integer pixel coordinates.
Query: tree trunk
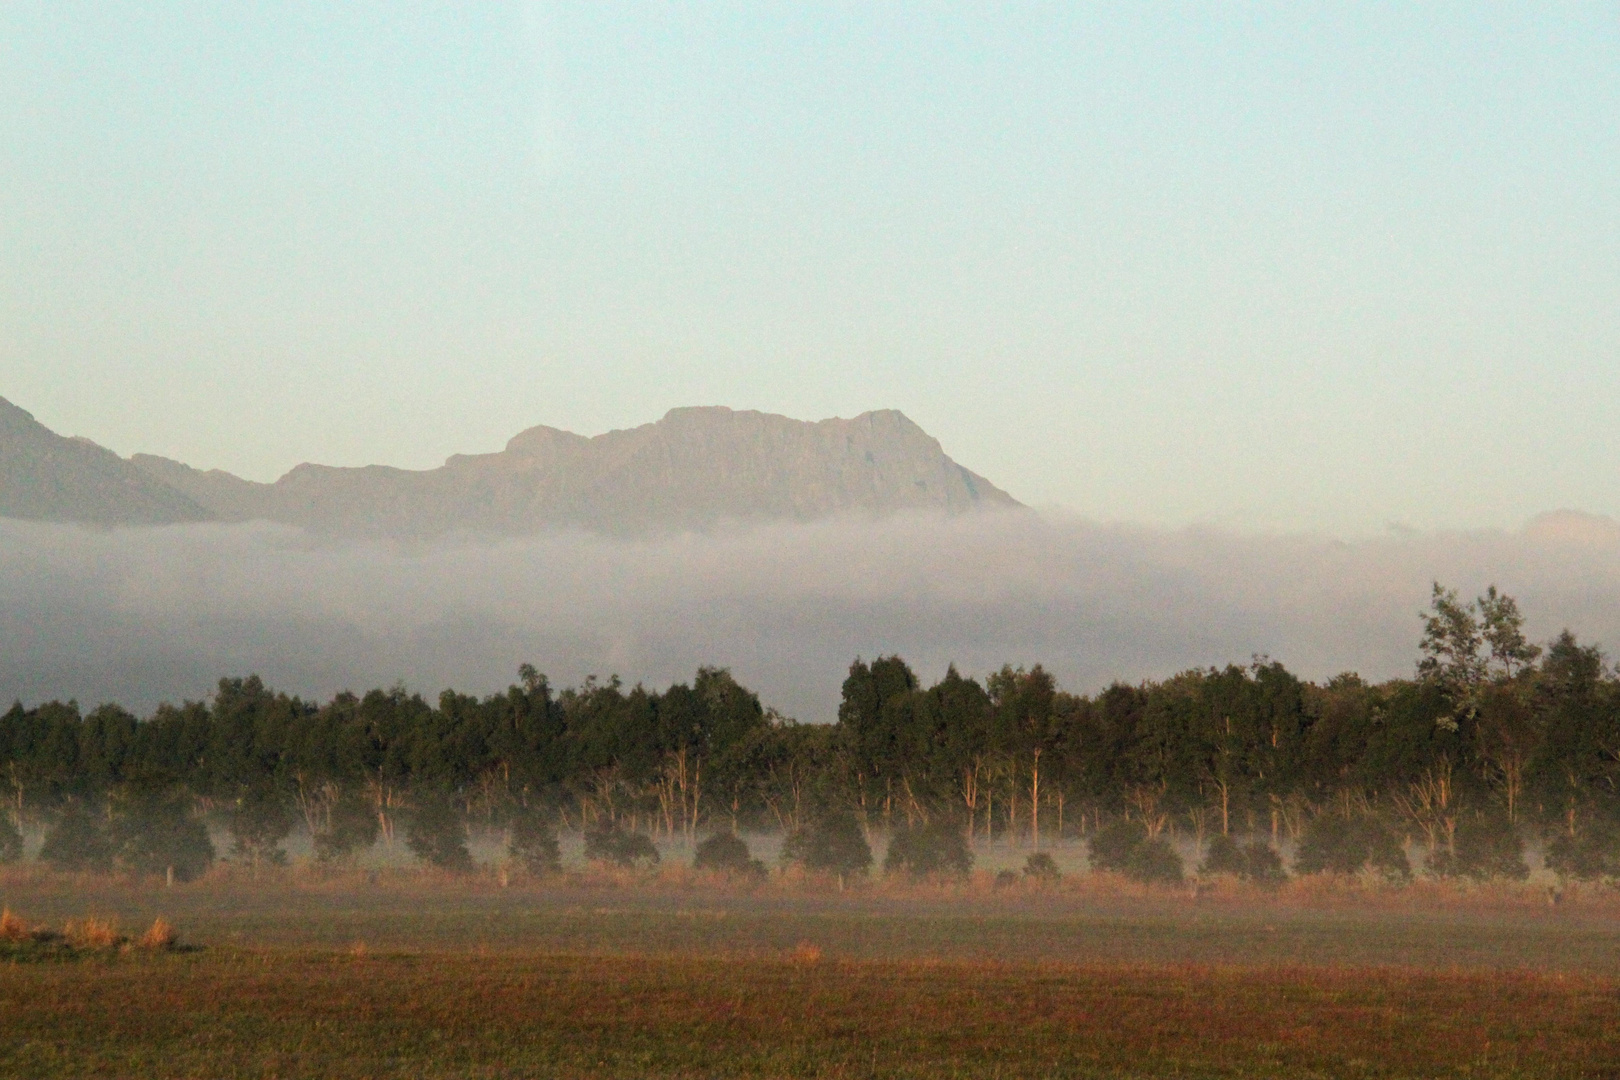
(1035, 800)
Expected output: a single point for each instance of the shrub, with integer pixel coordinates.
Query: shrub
(77, 840)
(533, 845)
(156, 832)
(1265, 865)
(260, 821)
(1341, 845)
(1486, 846)
(1222, 856)
(1592, 853)
(1123, 847)
(12, 928)
(619, 847)
(437, 835)
(1111, 846)
(351, 826)
(728, 853)
(1041, 867)
(832, 843)
(937, 848)
(94, 934)
(160, 937)
(1255, 861)
(1005, 879)
(1154, 862)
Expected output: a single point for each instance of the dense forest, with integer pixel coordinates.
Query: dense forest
(1493, 743)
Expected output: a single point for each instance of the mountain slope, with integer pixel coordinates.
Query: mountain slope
(45, 477)
(694, 468)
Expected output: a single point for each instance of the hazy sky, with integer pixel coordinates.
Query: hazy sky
(1277, 266)
(144, 615)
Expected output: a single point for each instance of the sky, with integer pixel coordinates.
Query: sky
(1264, 267)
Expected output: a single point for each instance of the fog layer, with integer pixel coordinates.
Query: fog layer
(144, 615)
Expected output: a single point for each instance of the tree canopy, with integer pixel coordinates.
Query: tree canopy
(1491, 732)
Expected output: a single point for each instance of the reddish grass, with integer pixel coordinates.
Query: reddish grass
(12, 928)
(93, 933)
(160, 936)
(306, 1014)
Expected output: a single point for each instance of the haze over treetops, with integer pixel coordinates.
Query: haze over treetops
(693, 468)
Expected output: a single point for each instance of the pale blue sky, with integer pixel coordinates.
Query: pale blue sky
(1261, 266)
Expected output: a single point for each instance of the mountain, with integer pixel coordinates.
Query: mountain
(46, 477)
(694, 468)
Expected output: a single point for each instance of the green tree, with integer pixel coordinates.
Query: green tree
(348, 827)
(875, 716)
(833, 843)
(533, 844)
(436, 834)
(935, 849)
(1254, 861)
(1486, 846)
(158, 832)
(1348, 843)
(728, 853)
(620, 847)
(259, 822)
(77, 840)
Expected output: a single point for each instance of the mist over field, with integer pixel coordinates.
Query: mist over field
(144, 615)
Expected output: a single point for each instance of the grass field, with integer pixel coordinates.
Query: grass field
(406, 976)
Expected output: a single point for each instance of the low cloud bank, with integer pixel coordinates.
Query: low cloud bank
(140, 616)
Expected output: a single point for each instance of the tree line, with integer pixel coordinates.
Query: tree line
(1492, 743)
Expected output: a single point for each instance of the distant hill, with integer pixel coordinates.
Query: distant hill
(694, 468)
(45, 477)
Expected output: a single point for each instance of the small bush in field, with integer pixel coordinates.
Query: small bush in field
(259, 822)
(832, 843)
(1154, 862)
(1111, 846)
(1347, 845)
(94, 934)
(533, 845)
(1592, 854)
(1005, 879)
(1125, 848)
(157, 832)
(1255, 861)
(620, 847)
(1486, 846)
(350, 828)
(437, 835)
(728, 853)
(1222, 856)
(77, 840)
(1042, 867)
(1265, 865)
(160, 937)
(11, 927)
(937, 848)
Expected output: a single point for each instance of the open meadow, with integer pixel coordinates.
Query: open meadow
(678, 974)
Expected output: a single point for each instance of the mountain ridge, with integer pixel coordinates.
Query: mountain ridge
(692, 469)
(49, 477)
